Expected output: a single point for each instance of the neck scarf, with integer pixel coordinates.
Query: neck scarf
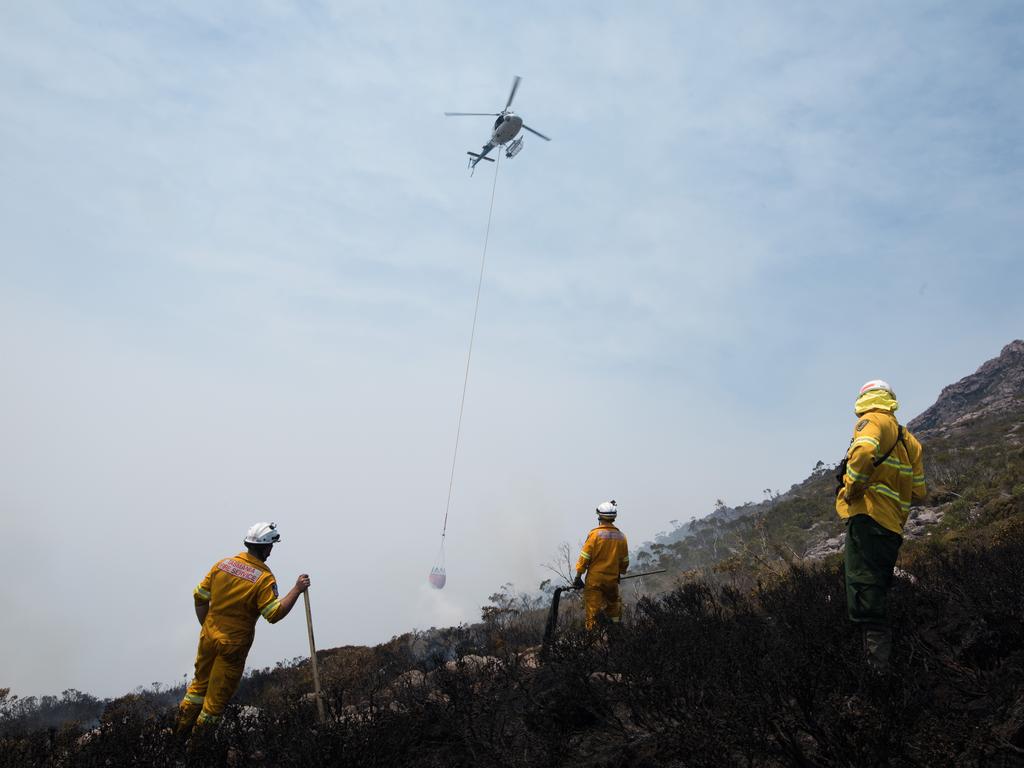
(875, 399)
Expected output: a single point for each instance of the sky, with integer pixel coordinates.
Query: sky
(239, 252)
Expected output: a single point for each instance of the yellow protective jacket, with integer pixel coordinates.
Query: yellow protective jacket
(239, 590)
(892, 485)
(605, 552)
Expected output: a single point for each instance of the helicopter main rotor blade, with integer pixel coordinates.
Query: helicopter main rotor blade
(537, 133)
(512, 93)
(464, 114)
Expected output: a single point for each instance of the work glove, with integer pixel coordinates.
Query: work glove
(578, 583)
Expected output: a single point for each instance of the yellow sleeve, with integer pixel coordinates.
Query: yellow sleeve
(267, 599)
(864, 449)
(202, 592)
(920, 490)
(583, 562)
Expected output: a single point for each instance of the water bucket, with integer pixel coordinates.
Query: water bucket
(437, 578)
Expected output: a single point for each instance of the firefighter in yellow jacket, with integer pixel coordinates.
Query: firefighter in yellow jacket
(229, 601)
(884, 474)
(604, 558)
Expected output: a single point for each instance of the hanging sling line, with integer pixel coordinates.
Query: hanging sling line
(469, 355)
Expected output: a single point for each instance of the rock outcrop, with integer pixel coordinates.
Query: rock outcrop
(997, 387)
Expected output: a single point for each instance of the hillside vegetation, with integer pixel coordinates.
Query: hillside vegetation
(974, 455)
(742, 656)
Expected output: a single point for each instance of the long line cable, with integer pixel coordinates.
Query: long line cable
(469, 354)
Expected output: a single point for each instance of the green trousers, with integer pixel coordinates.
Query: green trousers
(870, 557)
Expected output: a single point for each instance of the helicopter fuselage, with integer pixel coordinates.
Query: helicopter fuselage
(505, 128)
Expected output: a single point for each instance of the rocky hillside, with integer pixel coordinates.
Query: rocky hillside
(971, 435)
(994, 391)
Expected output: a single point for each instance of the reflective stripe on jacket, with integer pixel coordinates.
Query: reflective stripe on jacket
(893, 484)
(239, 589)
(605, 552)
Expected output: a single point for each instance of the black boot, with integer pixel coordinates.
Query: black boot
(877, 648)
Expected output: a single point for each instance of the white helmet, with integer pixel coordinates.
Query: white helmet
(877, 384)
(607, 510)
(263, 533)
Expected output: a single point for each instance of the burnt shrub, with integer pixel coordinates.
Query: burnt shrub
(704, 675)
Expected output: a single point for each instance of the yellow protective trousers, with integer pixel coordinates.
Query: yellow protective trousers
(601, 596)
(219, 668)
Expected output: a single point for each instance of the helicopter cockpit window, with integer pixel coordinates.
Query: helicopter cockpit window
(498, 121)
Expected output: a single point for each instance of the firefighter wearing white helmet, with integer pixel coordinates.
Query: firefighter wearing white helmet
(263, 533)
(604, 558)
(883, 473)
(228, 602)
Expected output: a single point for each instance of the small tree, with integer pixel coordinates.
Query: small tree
(562, 565)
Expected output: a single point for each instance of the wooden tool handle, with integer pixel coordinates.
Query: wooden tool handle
(312, 658)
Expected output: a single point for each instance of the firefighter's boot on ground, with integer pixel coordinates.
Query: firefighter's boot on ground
(878, 647)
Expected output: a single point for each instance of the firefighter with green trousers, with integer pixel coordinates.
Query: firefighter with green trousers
(883, 474)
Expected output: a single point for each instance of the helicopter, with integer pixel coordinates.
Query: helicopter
(506, 127)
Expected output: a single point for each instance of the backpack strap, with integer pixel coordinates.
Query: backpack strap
(841, 469)
(899, 439)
